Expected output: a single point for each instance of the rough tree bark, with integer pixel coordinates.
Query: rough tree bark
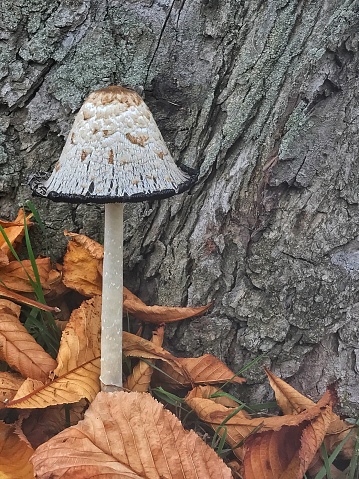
(262, 97)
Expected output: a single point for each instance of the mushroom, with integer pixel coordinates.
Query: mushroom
(114, 154)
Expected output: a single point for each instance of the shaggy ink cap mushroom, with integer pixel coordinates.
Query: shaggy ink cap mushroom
(114, 153)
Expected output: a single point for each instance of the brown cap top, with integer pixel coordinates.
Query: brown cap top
(114, 153)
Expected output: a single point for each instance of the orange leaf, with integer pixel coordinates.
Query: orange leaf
(14, 230)
(292, 402)
(82, 271)
(240, 426)
(158, 314)
(128, 435)
(286, 452)
(15, 455)
(18, 348)
(40, 425)
(23, 299)
(138, 347)
(80, 341)
(140, 378)
(15, 275)
(82, 382)
(9, 384)
(4, 259)
(206, 369)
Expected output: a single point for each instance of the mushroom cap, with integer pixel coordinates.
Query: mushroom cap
(113, 153)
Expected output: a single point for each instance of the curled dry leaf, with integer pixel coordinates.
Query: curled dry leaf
(9, 384)
(286, 452)
(18, 348)
(158, 314)
(15, 275)
(94, 249)
(40, 425)
(239, 427)
(138, 347)
(82, 272)
(80, 341)
(4, 259)
(128, 435)
(292, 402)
(206, 392)
(6, 293)
(14, 231)
(15, 455)
(140, 378)
(206, 369)
(82, 382)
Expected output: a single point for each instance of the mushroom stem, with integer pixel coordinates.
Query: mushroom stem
(112, 299)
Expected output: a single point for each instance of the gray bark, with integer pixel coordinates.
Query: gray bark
(261, 96)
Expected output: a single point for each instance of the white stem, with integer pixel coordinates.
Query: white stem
(112, 299)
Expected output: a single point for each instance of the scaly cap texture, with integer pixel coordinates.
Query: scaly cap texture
(114, 153)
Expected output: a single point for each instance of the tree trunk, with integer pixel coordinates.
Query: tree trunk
(261, 97)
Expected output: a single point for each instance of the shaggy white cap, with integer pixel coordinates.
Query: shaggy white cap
(114, 153)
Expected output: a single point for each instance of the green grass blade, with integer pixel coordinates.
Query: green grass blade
(167, 396)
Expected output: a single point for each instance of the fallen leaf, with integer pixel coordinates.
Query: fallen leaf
(18, 348)
(206, 369)
(9, 384)
(4, 292)
(15, 455)
(40, 425)
(286, 452)
(16, 275)
(217, 396)
(158, 314)
(94, 248)
(4, 259)
(81, 271)
(118, 426)
(135, 346)
(14, 231)
(140, 378)
(236, 424)
(292, 402)
(81, 339)
(82, 382)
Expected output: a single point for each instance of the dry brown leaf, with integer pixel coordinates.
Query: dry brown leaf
(128, 435)
(94, 249)
(9, 384)
(18, 348)
(82, 382)
(286, 452)
(14, 230)
(240, 427)
(6, 293)
(15, 455)
(206, 369)
(135, 346)
(15, 275)
(158, 314)
(292, 402)
(81, 271)
(4, 259)
(205, 392)
(40, 425)
(140, 378)
(81, 339)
